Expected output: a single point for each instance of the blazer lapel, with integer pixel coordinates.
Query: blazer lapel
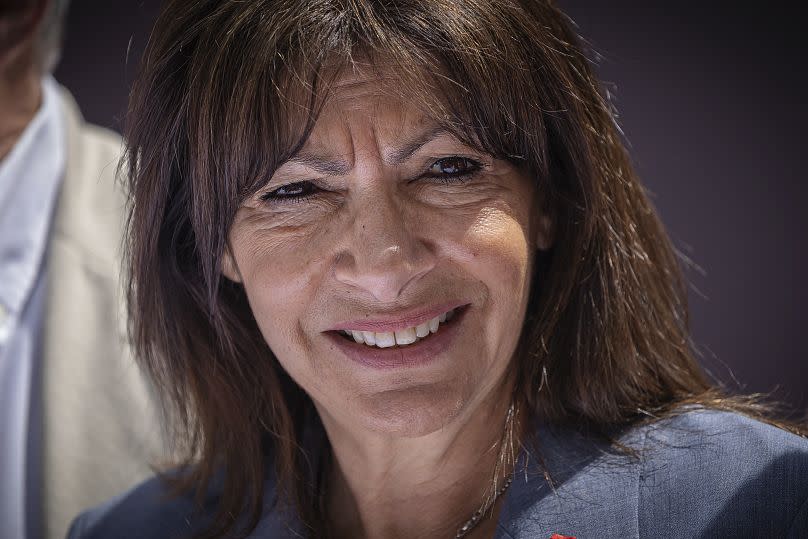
(593, 494)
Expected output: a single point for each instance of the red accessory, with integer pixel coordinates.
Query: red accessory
(559, 536)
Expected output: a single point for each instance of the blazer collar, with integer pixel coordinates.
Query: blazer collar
(570, 484)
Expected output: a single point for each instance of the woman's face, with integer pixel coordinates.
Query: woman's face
(379, 226)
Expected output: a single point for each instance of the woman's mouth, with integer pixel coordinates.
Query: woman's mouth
(405, 337)
(408, 347)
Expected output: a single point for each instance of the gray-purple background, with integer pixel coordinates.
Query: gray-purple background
(712, 99)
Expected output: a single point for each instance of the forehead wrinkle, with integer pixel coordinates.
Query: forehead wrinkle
(370, 98)
(395, 157)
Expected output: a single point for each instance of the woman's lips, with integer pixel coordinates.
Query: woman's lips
(419, 353)
(401, 321)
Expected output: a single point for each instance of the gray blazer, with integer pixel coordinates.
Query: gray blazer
(701, 474)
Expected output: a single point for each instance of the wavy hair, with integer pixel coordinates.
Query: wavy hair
(228, 89)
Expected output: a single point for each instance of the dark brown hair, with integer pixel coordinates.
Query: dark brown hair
(227, 89)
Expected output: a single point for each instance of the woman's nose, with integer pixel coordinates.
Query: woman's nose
(388, 250)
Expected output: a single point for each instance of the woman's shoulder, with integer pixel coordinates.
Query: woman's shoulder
(700, 473)
(716, 438)
(147, 510)
(151, 510)
(722, 474)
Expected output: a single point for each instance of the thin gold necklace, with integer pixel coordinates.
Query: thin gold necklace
(506, 457)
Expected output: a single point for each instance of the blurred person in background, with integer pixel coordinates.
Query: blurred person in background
(76, 417)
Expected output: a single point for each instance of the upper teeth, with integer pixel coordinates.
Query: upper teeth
(386, 339)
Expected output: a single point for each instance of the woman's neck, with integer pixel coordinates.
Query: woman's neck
(381, 486)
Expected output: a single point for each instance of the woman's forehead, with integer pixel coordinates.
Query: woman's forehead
(365, 109)
(366, 100)
(375, 88)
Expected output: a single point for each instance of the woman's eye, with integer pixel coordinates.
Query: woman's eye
(293, 192)
(454, 167)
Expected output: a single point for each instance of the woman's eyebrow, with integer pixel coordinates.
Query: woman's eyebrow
(339, 167)
(400, 155)
(322, 165)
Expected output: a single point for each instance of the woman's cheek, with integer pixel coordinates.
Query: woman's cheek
(276, 268)
(498, 242)
(282, 244)
(499, 256)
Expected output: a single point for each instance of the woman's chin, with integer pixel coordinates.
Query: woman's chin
(411, 412)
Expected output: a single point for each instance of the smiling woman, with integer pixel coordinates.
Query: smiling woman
(387, 222)
(395, 277)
